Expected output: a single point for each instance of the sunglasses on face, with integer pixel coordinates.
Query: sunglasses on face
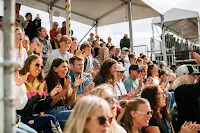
(111, 99)
(102, 120)
(37, 65)
(147, 113)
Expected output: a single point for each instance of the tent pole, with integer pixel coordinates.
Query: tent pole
(130, 23)
(68, 17)
(198, 22)
(96, 28)
(163, 39)
(152, 43)
(9, 52)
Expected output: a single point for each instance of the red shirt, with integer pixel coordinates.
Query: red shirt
(63, 30)
(52, 32)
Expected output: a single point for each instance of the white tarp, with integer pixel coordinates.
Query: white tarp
(183, 23)
(104, 11)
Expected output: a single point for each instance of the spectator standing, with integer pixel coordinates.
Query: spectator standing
(55, 42)
(109, 44)
(125, 42)
(53, 30)
(91, 39)
(63, 29)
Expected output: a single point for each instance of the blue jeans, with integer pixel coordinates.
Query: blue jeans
(61, 113)
(23, 128)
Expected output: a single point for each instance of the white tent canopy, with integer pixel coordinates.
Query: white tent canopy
(105, 12)
(183, 23)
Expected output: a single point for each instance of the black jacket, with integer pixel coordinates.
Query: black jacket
(187, 98)
(125, 42)
(35, 105)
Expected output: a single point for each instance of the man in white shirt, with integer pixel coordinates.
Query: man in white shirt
(62, 52)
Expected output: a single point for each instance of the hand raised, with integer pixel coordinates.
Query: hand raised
(78, 82)
(41, 89)
(56, 90)
(67, 82)
(196, 57)
(20, 80)
(39, 48)
(33, 46)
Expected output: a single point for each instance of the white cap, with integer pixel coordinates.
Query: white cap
(186, 69)
(120, 68)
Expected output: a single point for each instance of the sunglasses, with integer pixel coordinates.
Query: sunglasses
(121, 71)
(39, 66)
(111, 99)
(102, 120)
(147, 113)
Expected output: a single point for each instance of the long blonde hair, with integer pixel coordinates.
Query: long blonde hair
(114, 127)
(20, 45)
(181, 80)
(83, 110)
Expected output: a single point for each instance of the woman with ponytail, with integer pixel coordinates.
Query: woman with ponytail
(135, 115)
(21, 54)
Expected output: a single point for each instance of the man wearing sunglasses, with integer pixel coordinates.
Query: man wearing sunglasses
(133, 83)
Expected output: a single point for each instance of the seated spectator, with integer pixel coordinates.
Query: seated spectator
(26, 43)
(152, 72)
(97, 39)
(58, 78)
(120, 89)
(161, 120)
(74, 45)
(42, 42)
(133, 83)
(145, 59)
(53, 30)
(95, 118)
(107, 73)
(91, 39)
(112, 50)
(76, 72)
(103, 55)
(63, 29)
(21, 54)
(96, 47)
(61, 52)
(19, 18)
(132, 60)
(55, 42)
(135, 115)
(88, 59)
(105, 91)
(38, 99)
(139, 61)
(109, 44)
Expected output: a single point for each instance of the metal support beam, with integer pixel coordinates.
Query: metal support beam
(130, 23)
(198, 23)
(53, 2)
(96, 28)
(68, 17)
(163, 38)
(9, 28)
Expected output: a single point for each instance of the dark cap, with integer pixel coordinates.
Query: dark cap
(135, 67)
(1, 18)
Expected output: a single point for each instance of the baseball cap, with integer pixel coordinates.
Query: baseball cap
(120, 68)
(186, 69)
(125, 49)
(135, 67)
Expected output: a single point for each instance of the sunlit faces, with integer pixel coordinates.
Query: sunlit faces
(43, 32)
(26, 43)
(113, 69)
(74, 44)
(19, 36)
(65, 45)
(135, 74)
(154, 70)
(142, 116)
(58, 37)
(111, 99)
(78, 66)
(36, 67)
(97, 123)
(61, 70)
(106, 53)
(120, 74)
(161, 98)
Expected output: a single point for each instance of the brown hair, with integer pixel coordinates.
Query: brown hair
(74, 58)
(125, 119)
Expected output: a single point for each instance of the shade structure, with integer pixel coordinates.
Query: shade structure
(105, 12)
(181, 22)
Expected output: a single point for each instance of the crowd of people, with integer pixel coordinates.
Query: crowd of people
(98, 88)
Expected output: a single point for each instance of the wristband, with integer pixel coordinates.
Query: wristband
(83, 93)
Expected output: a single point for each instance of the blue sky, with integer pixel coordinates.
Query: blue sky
(141, 28)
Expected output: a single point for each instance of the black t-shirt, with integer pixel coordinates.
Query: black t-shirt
(187, 98)
(162, 126)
